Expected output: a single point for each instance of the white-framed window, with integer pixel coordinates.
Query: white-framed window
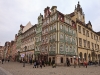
(61, 36)
(54, 36)
(70, 39)
(66, 28)
(54, 47)
(70, 48)
(61, 26)
(54, 26)
(50, 47)
(50, 27)
(61, 47)
(50, 37)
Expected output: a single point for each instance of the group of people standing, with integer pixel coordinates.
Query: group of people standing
(36, 63)
(41, 63)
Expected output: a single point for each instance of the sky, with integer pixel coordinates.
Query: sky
(16, 12)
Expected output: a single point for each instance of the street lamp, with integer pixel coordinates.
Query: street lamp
(74, 62)
(24, 57)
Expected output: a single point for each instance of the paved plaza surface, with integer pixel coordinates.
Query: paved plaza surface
(16, 68)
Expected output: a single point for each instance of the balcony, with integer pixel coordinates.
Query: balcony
(52, 31)
(73, 43)
(38, 42)
(62, 30)
(68, 42)
(52, 52)
(62, 40)
(37, 52)
(62, 52)
(52, 40)
(69, 33)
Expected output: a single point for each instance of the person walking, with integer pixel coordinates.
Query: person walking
(2, 61)
(85, 63)
(34, 66)
(41, 64)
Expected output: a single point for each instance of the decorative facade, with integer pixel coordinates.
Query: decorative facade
(38, 38)
(28, 42)
(88, 40)
(58, 37)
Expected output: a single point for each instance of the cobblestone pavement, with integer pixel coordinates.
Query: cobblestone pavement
(16, 68)
(1, 72)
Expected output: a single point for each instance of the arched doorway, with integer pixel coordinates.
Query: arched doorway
(85, 56)
(89, 57)
(81, 55)
(93, 56)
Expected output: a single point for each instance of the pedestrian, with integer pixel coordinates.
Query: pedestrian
(2, 61)
(53, 63)
(75, 63)
(34, 66)
(8, 60)
(41, 64)
(99, 62)
(85, 63)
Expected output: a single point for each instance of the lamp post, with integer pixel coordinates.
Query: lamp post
(24, 57)
(79, 61)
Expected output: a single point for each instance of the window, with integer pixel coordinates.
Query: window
(84, 43)
(92, 45)
(80, 41)
(70, 48)
(61, 59)
(54, 26)
(66, 28)
(91, 36)
(71, 39)
(61, 36)
(79, 29)
(88, 44)
(61, 47)
(87, 33)
(55, 16)
(50, 27)
(46, 39)
(61, 26)
(50, 47)
(83, 31)
(66, 48)
(50, 37)
(95, 46)
(54, 36)
(94, 37)
(66, 38)
(54, 47)
(98, 47)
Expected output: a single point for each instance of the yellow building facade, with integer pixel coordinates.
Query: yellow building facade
(88, 40)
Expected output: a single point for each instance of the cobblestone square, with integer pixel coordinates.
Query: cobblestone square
(16, 68)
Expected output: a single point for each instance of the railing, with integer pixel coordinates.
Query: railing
(53, 30)
(52, 40)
